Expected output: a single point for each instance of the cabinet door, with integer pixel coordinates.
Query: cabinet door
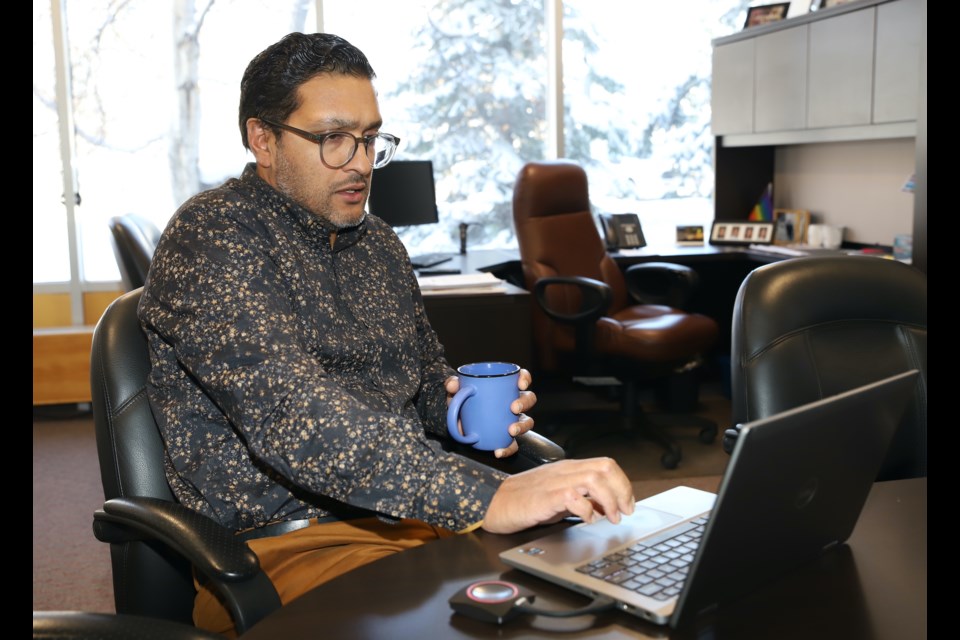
(841, 70)
(731, 99)
(781, 80)
(896, 92)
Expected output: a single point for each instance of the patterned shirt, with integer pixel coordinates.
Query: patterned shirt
(293, 379)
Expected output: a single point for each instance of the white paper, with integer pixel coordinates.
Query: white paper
(784, 251)
(472, 291)
(641, 251)
(467, 281)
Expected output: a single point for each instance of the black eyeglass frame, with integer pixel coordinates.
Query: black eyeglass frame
(319, 138)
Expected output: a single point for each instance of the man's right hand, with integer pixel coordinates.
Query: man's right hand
(589, 489)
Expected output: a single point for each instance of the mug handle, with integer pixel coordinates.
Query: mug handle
(453, 415)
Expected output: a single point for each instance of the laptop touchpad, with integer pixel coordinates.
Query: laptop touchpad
(585, 542)
(642, 521)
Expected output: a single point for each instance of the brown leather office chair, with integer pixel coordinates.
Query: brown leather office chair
(591, 318)
(808, 328)
(135, 239)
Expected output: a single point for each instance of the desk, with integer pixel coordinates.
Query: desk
(721, 270)
(874, 587)
(61, 365)
(475, 327)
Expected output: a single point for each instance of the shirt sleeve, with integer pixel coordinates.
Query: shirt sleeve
(220, 307)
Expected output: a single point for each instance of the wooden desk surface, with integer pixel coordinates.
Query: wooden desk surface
(873, 588)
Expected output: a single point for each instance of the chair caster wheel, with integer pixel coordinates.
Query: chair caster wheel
(670, 460)
(708, 435)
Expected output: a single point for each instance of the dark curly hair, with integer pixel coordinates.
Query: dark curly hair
(270, 83)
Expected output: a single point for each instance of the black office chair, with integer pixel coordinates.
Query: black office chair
(83, 625)
(154, 540)
(808, 328)
(594, 320)
(135, 239)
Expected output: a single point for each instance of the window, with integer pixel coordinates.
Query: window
(468, 93)
(152, 98)
(637, 105)
(51, 250)
(144, 140)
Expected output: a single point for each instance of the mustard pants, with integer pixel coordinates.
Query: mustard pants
(303, 559)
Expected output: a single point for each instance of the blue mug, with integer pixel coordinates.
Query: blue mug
(482, 405)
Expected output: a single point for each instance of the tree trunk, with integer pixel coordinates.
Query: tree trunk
(185, 133)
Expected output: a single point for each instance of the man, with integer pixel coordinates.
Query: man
(295, 374)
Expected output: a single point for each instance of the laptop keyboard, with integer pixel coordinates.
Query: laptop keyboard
(655, 567)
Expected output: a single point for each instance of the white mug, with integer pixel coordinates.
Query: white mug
(815, 235)
(832, 236)
(827, 236)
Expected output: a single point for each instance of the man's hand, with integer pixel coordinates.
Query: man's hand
(522, 404)
(589, 489)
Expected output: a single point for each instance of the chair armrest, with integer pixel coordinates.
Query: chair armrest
(215, 551)
(210, 547)
(534, 451)
(596, 297)
(661, 283)
(539, 449)
(730, 438)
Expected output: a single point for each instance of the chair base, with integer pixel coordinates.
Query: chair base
(626, 419)
(647, 426)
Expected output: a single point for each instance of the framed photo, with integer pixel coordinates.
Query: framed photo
(741, 233)
(763, 14)
(689, 235)
(790, 226)
(816, 5)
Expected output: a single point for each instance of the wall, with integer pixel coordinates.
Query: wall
(856, 185)
(52, 310)
(61, 353)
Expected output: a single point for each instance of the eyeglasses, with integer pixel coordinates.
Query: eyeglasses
(337, 148)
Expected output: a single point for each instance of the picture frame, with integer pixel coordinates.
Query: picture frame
(689, 235)
(790, 226)
(741, 233)
(818, 5)
(766, 13)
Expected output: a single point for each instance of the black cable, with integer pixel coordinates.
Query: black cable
(597, 605)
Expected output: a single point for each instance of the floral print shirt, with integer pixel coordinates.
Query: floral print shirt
(292, 379)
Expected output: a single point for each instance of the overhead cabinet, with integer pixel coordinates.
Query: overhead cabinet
(846, 73)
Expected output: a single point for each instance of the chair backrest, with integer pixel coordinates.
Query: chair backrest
(808, 328)
(135, 239)
(558, 236)
(147, 579)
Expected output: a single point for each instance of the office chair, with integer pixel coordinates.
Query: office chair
(808, 328)
(591, 318)
(153, 539)
(83, 625)
(134, 240)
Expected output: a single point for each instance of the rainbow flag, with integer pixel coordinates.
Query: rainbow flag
(763, 210)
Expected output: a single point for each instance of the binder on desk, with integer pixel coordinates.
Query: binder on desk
(461, 283)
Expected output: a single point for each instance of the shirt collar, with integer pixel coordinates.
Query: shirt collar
(314, 225)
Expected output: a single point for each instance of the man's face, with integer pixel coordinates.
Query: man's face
(329, 102)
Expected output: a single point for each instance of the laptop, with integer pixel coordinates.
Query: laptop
(793, 488)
